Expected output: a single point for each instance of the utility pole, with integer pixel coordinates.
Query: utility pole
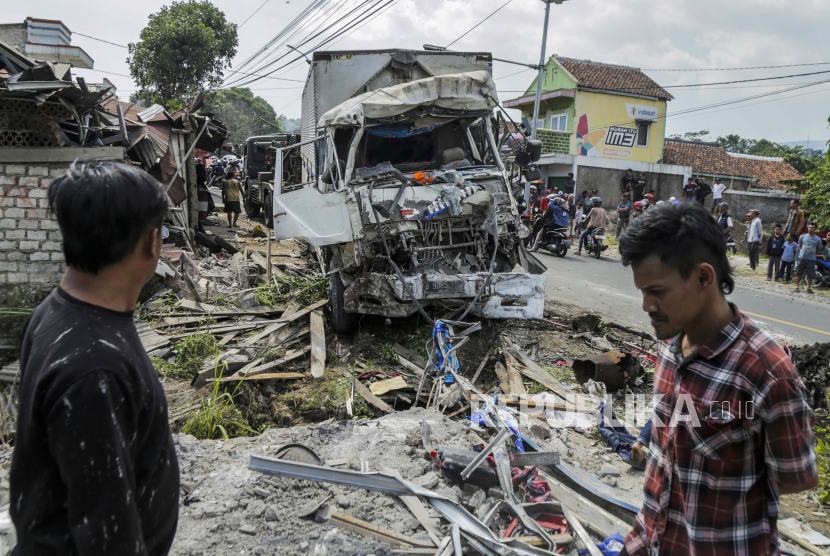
(541, 68)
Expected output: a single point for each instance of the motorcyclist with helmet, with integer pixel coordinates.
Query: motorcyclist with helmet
(555, 217)
(595, 218)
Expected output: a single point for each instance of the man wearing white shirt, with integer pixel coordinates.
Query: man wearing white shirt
(754, 235)
(717, 194)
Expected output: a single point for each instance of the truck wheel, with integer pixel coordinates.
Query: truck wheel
(341, 321)
(269, 211)
(251, 208)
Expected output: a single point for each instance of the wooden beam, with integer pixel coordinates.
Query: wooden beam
(361, 389)
(409, 365)
(480, 368)
(264, 376)
(318, 344)
(580, 531)
(410, 355)
(384, 535)
(383, 386)
(281, 323)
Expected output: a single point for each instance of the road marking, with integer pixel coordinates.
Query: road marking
(789, 323)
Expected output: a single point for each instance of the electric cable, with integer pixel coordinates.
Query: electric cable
(738, 69)
(252, 15)
(479, 23)
(100, 40)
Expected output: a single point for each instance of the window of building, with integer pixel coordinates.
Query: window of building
(559, 122)
(642, 135)
(540, 124)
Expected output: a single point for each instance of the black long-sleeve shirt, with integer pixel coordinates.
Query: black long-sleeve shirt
(94, 470)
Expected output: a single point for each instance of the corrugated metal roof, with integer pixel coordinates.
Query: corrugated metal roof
(148, 114)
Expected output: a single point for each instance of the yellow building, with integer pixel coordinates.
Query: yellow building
(598, 110)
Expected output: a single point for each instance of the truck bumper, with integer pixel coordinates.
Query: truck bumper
(509, 295)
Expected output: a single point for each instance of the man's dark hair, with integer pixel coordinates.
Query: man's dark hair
(776, 226)
(571, 174)
(796, 201)
(629, 170)
(103, 209)
(682, 236)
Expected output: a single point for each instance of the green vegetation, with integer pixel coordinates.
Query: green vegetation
(307, 289)
(219, 417)
(823, 454)
(183, 50)
(190, 357)
(534, 387)
(387, 351)
(817, 200)
(244, 114)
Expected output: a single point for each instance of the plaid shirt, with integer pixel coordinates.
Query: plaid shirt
(713, 488)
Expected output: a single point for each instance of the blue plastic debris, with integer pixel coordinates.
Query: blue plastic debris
(611, 546)
(443, 348)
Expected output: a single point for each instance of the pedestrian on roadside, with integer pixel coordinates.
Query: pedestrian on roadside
(571, 214)
(230, 196)
(570, 184)
(94, 469)
(724, 220)
(713, 477)
(703, 190)
(627, 182)
(754, 236)
(689, 189)
(639, 188)
(775, 248)
(795, 219)
(544, 202)
(824, 253)
(623, 215)
(717, 194)
(809, 245)
(787, 258)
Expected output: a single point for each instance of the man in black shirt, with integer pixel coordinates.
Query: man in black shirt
(703, 190)
(570, 184)
(627, 182)
(689, 189)
(639, 188)
(94, 470)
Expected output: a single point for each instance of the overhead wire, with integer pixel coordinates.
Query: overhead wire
(252, 15)
(479, 23)
(99, 40)
(737, 69)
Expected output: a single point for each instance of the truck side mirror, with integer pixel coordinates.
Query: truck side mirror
(534, 149)
(532, 173)
(327, 177)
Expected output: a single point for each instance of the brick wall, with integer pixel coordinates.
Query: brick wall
(30, 241)
(554, 141)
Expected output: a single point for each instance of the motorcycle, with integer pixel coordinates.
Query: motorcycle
(822, 278)
(594, 240)
(556, 241)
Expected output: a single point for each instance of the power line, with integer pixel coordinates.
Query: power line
(100, 40)
(737, 69)
(253, 14)
(745, 80)
(479, 23)
(766, 101)
(512, 74)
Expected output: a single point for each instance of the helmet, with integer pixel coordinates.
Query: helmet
(533, 188)
(650, 197)
(660, 203)
(551, 197)
(596, 200)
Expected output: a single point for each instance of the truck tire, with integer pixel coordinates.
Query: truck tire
(251, 209)
(268, 210)
(341, 321)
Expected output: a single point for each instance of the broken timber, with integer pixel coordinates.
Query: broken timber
(371, 398)
(318, 345)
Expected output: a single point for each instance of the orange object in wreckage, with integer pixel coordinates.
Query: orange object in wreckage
(423, 177)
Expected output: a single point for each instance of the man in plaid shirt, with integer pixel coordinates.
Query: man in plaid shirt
(732, 427)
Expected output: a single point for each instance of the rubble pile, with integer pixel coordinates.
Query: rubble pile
(813, 363)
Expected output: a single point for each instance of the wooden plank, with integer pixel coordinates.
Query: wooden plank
(539, 541)
(281, 335)
(419, 510)
(599, 520)
(318, 344)
(190, 305)
(410, 355)
(260, 261)
(149, 338)
(480, 368)
(384, 535)
(264, 376)
(409, 365)
(580, 531)
(228, 337)
(281, 323)
(274, 364)
(361, 389)
(384, 386)
(790, 534)
(533, 371)
(517, 388)
(504, 378)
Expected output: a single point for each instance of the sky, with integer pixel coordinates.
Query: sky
(665, 34)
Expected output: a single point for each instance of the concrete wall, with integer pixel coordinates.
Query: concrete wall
(14, 35)
(30, 241)
(774, 209)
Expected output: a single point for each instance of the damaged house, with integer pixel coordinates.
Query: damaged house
(49, 118)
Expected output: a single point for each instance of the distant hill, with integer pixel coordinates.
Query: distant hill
(819, 145)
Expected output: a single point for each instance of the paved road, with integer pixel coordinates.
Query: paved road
(607, 287)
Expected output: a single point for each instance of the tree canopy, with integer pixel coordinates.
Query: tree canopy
(185, 48)
(244, 114)
(803, 160)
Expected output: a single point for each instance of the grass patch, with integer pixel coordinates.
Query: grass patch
(535, 388)
(221, 301)
(388, 352)
(308, 288)
(219, 417)
(823, 453)
(273, 354)
(168, 370)
(190, 357)
(562, 374)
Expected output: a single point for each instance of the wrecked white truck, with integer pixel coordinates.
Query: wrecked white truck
(411, 143)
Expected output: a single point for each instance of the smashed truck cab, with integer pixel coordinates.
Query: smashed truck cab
(405, 196)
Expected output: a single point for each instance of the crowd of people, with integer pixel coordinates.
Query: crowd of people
(792, 249)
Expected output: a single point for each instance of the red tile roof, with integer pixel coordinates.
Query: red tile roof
(623, 79)
(710, 158)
